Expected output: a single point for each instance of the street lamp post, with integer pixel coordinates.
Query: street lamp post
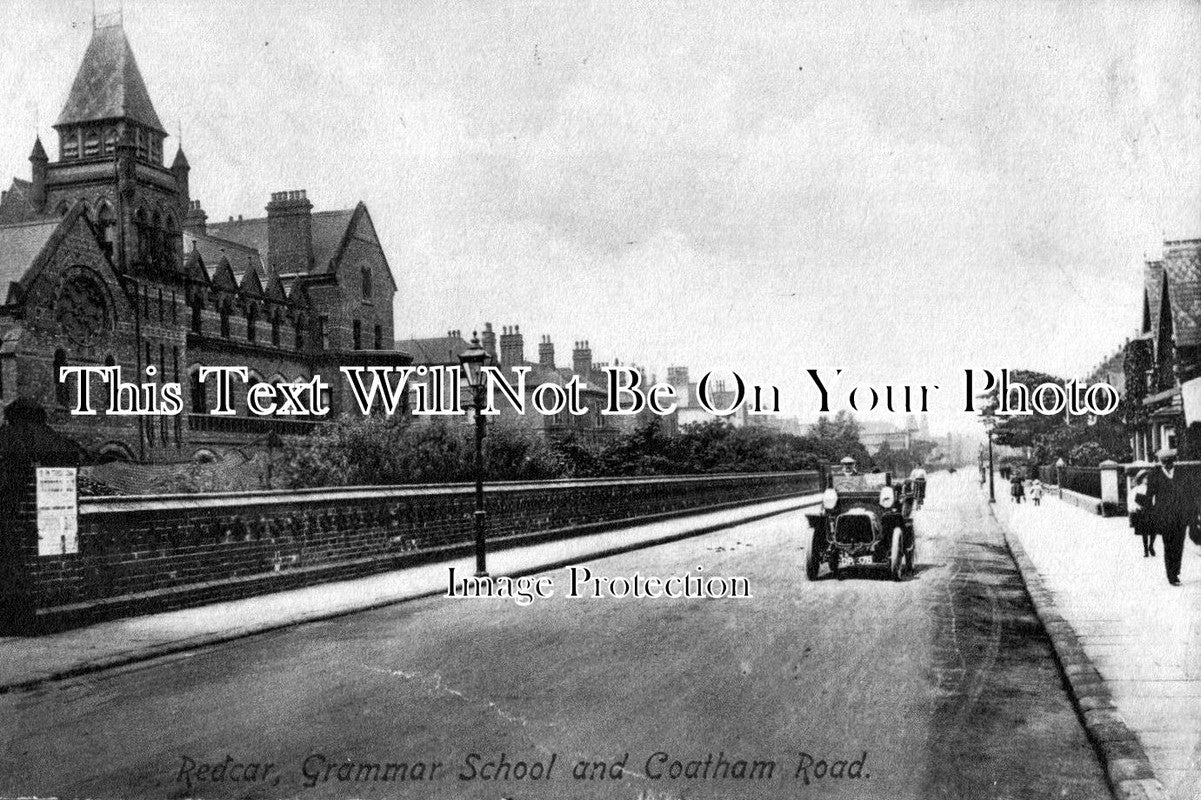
(473, 359)
(990, 422)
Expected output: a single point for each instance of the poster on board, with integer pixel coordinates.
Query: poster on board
(58, 511)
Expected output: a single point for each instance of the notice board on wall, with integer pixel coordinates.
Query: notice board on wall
(58, 511)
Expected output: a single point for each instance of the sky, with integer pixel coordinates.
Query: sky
(900, 190)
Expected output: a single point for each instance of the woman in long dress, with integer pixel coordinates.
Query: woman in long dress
(1140, 517)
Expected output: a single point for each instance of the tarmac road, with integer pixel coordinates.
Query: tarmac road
(940, 686)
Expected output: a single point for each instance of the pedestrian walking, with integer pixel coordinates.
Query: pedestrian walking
(1140, 516)
(1017, 488)
(1036, 492)
(1172, 510)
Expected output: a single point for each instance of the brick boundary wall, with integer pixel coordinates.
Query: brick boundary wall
(146, 554)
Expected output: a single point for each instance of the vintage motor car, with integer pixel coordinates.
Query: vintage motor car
(864, 519)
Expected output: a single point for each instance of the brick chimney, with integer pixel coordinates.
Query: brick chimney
(290, 232)
(512, 346)
(581, 360)
(677, 378)
(546, 353)
(488, 340)
(196, 220)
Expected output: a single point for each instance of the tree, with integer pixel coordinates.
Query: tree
(1077, 440)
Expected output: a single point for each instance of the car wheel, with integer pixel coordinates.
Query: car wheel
(813, 557)
(896, 560)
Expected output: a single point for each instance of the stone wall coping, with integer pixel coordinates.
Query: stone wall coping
(123, 504)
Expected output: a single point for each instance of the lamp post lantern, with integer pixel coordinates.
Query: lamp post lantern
(473, 359)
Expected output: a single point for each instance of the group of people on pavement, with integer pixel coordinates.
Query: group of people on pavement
(1017, 490)
(1161, 505)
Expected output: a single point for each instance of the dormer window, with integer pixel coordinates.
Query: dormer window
(91, 144)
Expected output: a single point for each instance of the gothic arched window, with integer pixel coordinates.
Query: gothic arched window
(142, 227)
(110, 141)
(106, 221)
(199, 401)
(365, 276)
(172, 238)
(158, 246)
(225, 320)
(197, 316)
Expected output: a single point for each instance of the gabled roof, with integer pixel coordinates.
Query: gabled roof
(109, 84)
(250, 284)
(331, 231)
(223, 276)
(194, 265)
(25, 249)
(274, 289)
(20, 245)
(1182, 265)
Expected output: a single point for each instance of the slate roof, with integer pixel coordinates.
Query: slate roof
(212, 248)
(20, 245)
(15, 207)
(329, 231)
(1182, 263)
(109, 84)
(433, 351)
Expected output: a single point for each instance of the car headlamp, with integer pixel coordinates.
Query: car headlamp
(829, 499)
(887, 497)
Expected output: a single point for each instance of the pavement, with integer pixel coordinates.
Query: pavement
(1112, 613)
(26, 662)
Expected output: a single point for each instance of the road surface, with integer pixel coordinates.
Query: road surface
(942, 686)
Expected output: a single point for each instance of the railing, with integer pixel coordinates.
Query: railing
(1082, 480)
(251, 425)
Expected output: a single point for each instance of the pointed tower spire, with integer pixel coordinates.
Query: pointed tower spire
(109, 85)
(37, 173)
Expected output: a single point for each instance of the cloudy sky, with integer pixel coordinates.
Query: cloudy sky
(902, 190)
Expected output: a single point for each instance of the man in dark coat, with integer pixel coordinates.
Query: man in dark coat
(1171, 510)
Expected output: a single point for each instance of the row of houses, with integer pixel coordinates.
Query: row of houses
(1158, 370)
